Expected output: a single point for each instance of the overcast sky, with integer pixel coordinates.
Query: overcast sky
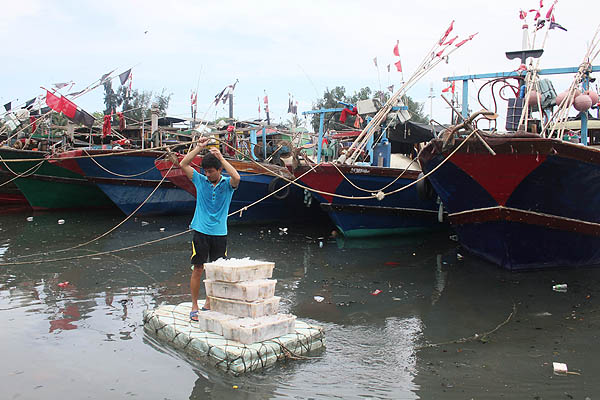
(282, 47)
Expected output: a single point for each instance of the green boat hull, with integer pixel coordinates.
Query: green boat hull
(51, 186)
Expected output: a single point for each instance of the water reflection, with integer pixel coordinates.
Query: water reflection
(382, 300)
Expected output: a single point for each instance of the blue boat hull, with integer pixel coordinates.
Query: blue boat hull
(533, 205)
(401, 212)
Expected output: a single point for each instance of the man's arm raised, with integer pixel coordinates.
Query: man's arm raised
(233, 174)
(185, 163)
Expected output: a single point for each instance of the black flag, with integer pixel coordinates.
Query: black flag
(83, 118)
(29, 103)
(124, 76)
(7, 106)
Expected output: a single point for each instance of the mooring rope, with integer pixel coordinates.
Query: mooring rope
(107, 232)
(25, 174)
(115, 173)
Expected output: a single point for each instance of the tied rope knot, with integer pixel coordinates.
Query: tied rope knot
(379, 195)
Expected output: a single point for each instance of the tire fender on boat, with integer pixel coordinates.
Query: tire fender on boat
(425, 189)
(275, 184)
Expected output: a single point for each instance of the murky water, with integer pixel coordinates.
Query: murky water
(86, 339)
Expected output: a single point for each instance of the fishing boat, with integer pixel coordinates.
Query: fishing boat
(374, 198)
(261, 197)
(528, 198)
(131, 181)
(49, 184)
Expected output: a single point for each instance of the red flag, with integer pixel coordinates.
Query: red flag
(541, 3)
(68, 108)
(449, 42)
(396, 51)
(439, 53)
(398, 65)
(54, 102)
(549, 13)
(522, 14)
(466, 40)
(266, 100)
(447, 32)
(451, 87)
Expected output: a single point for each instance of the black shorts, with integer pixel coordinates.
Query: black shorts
(207, 248)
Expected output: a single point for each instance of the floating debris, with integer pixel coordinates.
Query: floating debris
(61, 221)
(561, 287)
(560, 368)
(29, 219)
(375, 292)
(63, 284)
(144, 223)
(319, 299)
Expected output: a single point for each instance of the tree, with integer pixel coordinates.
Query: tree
(137, 104)
(332, 99)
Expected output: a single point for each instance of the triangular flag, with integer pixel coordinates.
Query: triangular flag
(447, 32)
(449, 42)
(391, 88)
(549, 13)
(61, 85)
(396, 51)
(388, 67)
(466, 40)
(54, 102)
(375, 61)
(556, 25)
(124, 76)
(83, 118)
(398, 65)
(7, 106)
(105, 76)
(68, 108)
(29, 103)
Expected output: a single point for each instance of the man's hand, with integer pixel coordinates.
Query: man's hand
(216, 153)
(202, 142)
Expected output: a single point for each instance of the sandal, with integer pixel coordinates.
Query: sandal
(205, 309)
(194, 316)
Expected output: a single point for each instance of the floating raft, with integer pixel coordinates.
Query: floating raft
(171, 324)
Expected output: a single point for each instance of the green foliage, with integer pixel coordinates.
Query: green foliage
(331, 99)
(136, 104)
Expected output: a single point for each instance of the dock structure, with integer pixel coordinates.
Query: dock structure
(243, 331)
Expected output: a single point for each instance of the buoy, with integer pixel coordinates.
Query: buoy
(534, 98)
(561, 97)
(593, 95)
(583, 102)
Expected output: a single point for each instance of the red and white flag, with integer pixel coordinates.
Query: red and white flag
(443, 39)
(396, 51)
(398, 65)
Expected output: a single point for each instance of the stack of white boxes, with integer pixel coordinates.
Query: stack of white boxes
(242, 301)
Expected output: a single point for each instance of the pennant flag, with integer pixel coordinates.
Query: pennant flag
(68, 108)
(439, 53)
(105, 76)
(549, 13)
(83, 118)
(398, 65)
(396, 51)
(76, 93)
(220, 96)
(290, 106)
(449, 42)
(540, 24)
(7, 106)
(466, 40)
(451, 87)
(61, 85)
(391, 88)
(375, 61)
(193, 98)
(541, 3)
(443, 39)
(556, 25)
(258, 100)
(124, 76)
(266, 99)
(522, 14)
(295, 110)
(29, 103)
(54, 102)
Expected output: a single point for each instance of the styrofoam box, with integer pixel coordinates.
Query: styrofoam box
(238, 270)
(250, 330)
(245, 309)
(246, 291)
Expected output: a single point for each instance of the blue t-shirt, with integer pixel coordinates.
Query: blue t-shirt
(212, 205)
